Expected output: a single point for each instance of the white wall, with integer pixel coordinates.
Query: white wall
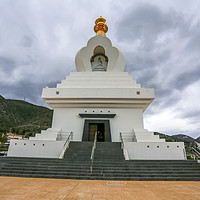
(30, 148)
(155, 150)
(125, 120)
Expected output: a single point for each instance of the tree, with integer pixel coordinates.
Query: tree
(3, 138)
(17, 131)
(23, 132)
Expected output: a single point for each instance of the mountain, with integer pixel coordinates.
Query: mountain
(21, 116)
(184, 137)
(198, 139)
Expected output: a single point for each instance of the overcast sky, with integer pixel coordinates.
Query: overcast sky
(160, 39)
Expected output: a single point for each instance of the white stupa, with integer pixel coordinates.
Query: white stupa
(99, 97)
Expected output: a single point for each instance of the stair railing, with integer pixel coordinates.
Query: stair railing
(122, 141)
(66, 145)
(92, 153)
(123, 147)
(196, 153)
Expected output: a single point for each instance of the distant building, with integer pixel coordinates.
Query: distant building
(13, 136)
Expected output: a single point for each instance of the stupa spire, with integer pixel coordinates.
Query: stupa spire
(101, 27)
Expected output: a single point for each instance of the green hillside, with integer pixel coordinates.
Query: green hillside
(22, 117)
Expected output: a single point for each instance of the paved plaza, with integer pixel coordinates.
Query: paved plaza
(14, 188)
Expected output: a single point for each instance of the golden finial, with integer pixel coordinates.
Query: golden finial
(100, 26)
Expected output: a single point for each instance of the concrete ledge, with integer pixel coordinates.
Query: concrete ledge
(31, 148)
(155, 150)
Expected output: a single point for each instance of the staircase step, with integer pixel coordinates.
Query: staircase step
(108, 164)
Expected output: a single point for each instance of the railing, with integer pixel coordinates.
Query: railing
(92, 153)
(66, 145)
(122, 141)
(196, 153)
(123, 147)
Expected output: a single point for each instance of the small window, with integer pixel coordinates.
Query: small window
(138, 92)
(33, 144)
(85, 110)
(177, 146)
(57, 92)
(147, 146)
(101, 111)
(42, 144)
(109, 111)
(15, 143)
(157, 146)
(93, 111)
(167, 146)
(24, 143)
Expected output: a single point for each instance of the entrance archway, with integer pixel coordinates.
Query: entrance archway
(102, 127)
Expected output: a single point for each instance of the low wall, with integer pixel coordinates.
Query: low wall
(31, 148)
(155, 150)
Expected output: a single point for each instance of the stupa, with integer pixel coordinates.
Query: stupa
(99, 98)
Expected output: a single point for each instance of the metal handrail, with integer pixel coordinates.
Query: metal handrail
(197, 154)
(66, 145)
(126, 157)
(92, 153)
(122, 141)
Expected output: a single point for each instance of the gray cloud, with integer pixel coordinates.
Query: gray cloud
(30, 91)
(7, 65)
(186, 78)
(145, 23)
(158, 66)
(27, 41)
(192, 114)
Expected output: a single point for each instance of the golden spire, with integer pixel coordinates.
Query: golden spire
(101, 26)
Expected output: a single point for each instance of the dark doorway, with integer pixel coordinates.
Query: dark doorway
(101, 127)
(96, 128)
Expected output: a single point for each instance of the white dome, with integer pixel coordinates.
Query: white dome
(116, 59)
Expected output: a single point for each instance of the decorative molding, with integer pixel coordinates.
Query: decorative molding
(97, 115)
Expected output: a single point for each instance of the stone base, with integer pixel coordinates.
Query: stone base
(155, 150)
(39, 148)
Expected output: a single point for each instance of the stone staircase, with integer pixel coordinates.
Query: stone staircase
(108, 164)
(108, 152)
(79, 151)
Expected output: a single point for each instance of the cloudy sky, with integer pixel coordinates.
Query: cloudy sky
(160, 39)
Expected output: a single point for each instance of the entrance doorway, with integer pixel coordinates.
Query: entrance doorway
(101, 127)
(96, 128)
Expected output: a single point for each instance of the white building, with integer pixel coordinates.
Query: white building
(99, 97)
